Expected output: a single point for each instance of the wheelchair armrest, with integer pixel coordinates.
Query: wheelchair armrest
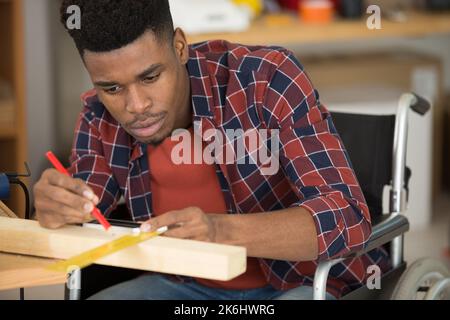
(384, 229)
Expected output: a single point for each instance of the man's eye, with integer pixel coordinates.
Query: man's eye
(112, 90)
(150, 79)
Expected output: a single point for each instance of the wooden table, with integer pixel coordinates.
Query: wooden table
(19, 271)
(287, 29)
(5, 211)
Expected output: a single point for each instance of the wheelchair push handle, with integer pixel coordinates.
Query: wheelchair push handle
(420, 105)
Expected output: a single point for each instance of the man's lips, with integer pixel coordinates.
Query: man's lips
(147, 130)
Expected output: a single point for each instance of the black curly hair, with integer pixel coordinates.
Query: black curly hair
(107, 25)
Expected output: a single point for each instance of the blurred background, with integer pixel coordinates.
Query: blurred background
(357, 57)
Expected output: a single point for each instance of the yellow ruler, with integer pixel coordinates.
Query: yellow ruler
(89, 257)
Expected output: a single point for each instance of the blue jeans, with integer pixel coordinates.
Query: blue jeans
(158, 287)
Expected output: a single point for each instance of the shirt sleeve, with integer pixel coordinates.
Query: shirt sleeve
(315, 161)
(88, 162)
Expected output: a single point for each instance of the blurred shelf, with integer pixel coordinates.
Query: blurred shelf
(7, 127)
(7, 132)
(287, 29)
(13, 129)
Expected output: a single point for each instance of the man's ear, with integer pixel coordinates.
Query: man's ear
(180, 46)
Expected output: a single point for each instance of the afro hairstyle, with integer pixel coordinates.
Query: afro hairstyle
(107, 25)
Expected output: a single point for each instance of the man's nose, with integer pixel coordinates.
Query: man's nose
(137, 102)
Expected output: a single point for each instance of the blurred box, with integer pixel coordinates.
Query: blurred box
(377, 80)
(389, 5)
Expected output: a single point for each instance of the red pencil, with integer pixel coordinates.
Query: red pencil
(58, 166)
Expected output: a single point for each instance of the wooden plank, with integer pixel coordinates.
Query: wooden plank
(18, 271)
(287, 29)
(160, 254)
(6, 212)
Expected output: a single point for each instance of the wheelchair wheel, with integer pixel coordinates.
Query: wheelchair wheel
(425, 279)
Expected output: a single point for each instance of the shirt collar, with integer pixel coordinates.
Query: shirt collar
(201, 89)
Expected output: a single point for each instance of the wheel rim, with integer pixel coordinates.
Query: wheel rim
(440, 290)
(425, 283)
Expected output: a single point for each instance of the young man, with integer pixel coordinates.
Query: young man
(149, 84)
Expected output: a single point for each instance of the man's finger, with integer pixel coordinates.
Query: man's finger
(76, 186)
(169, 219)
(186, 231)
(69, 199)
(49, 208)
(47, 220)
(72, 216)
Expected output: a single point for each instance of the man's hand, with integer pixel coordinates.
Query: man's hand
(189, 223)
(292, 235)
(61, 200)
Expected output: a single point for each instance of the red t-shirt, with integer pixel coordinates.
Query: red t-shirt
(177, 186)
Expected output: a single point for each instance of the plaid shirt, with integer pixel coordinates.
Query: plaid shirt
(248, 87)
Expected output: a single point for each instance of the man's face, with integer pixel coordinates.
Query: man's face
(144, 85)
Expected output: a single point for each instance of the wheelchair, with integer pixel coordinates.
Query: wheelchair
(379, 164)
(424, 279)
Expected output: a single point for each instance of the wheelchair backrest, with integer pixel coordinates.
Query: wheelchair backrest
(369, 141)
